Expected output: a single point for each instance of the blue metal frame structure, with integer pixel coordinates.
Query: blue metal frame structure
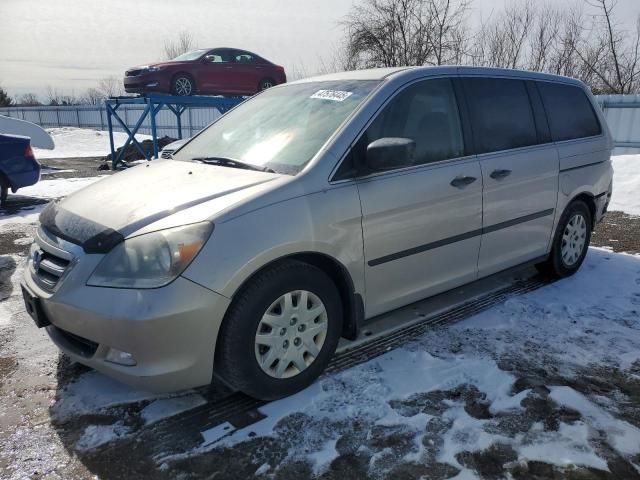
(153, 104)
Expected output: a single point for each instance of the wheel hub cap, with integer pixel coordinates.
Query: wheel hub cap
(573, 239)
(291, 334)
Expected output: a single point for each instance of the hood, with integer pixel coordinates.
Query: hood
(104, 213)
(168, 63)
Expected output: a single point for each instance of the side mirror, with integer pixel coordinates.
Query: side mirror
(389, 153)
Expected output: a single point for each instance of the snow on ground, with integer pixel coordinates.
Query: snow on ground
(588, 320)
(97, 435)
(58, 187)
(44, 189)
(81, 142)
(87, 395)
(626, 184)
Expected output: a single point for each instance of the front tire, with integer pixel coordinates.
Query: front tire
(183, 86)
(571, 241)
(280, 332)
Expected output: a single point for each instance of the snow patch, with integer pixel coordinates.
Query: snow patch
(97, 435)
(622, 436)
(93, 392)
(322, 458)
(72, 142)
(626, 184)
(58, 187)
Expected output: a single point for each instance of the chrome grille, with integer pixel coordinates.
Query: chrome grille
(51, 258)
(48, 268)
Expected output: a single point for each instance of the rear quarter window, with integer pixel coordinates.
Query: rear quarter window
(569, 111)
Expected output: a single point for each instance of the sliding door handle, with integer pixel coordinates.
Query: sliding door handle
(461, 182)
(500, 174)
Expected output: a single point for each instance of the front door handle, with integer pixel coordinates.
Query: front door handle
(461, 182)
(500, 174)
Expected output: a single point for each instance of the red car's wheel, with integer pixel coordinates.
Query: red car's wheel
(266, 83)
(183, 85)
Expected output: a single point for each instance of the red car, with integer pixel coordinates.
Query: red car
(217, 71)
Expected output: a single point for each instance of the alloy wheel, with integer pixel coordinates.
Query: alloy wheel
(291, 334)
(183, 86)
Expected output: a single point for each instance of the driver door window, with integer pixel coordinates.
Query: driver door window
(426, 113)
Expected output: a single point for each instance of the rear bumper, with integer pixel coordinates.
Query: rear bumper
(27, 173)
(602, 203)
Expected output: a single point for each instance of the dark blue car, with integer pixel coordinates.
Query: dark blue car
(18, 166)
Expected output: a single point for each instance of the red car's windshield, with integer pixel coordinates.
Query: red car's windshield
(282, 128)
(192, 55)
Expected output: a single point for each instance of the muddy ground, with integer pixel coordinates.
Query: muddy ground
(35, 444)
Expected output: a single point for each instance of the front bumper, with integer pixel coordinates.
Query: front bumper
(149, 82)
(171, 331)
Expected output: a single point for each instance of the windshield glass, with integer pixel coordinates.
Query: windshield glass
(282, 128)
(192, 55)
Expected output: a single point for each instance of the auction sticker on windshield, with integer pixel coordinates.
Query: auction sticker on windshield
(335, 95)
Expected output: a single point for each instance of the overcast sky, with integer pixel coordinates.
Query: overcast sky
(71, 44)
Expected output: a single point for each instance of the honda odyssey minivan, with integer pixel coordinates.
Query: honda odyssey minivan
(299, 216)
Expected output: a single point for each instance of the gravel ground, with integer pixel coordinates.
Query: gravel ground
(36, 444)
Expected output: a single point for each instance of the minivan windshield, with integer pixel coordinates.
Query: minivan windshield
(282, 128)
(191, 55)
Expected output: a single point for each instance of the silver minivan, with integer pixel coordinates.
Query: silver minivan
(310, 209)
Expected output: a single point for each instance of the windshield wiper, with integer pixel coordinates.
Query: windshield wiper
(231, 162)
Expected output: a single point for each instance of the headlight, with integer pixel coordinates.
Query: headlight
(155, 69)
(151, 260)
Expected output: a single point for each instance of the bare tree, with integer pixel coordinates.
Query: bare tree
(57, 97)
(93, 96)
(174, 48)
(448, 34)
(610, 53)
(501, 41)
(110, 87)
(392, 33)
(29, 100)
(540, 36)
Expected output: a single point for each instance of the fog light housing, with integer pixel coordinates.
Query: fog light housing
(121, 358)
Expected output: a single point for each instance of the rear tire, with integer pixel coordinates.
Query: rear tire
(570, 243)
(269, 348)
(183, 85)
(266, 83)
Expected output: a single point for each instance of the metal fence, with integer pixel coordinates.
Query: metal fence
(621, 111)
(623, 117)
(194, 119)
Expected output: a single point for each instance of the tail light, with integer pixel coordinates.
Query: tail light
(28, 152)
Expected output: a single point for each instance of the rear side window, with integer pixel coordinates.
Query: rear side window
(569, 111)
(501, 114)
